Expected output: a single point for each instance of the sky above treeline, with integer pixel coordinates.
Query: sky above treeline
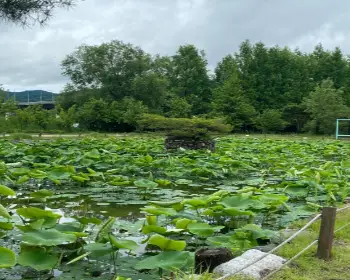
(30, 58)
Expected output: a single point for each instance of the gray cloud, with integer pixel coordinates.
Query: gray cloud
(30, 58)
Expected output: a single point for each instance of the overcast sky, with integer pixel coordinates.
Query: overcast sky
(30, 58)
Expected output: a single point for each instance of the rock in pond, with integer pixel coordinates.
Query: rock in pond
(257, 270)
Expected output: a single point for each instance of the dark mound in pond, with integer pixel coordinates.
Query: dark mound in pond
(191, 144)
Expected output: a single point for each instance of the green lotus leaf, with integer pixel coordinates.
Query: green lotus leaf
(58, 174)
(36, 213)
(233, 211)
(38, 174)
(159, 211)
(144, 183)
(80, 179)
(6, 226)
(202, 229)
(170, 260)
(196, 202)
(242, 202)
(219, 240)
(166, 244)
(7, 258)
(4, 213)
(42, 194)
(22, 180)
(183, 182)
(49, 237)
(153, 228)
(17, 172)
(123, 243)
(37, 258)
(93, 154)
(99, 249)
(183, 223)
(6, 191)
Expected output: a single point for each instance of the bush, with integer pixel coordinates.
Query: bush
(183, 128)
(149, 122)
(197, 134)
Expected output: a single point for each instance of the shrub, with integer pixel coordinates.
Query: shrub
(149, 122)
(183, 128)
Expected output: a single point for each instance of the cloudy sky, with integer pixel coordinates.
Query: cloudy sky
(30, 58)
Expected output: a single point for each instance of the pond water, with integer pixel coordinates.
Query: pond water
(117, 177)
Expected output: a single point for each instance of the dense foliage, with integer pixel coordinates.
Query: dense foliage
(60, 200)
(259, 88)
(30, 11)
(249, 89)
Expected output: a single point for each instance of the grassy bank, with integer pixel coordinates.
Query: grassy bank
(307, 266)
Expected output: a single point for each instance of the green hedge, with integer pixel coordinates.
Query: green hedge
(182, 126)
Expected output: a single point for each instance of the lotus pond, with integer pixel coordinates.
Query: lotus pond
(124, 207)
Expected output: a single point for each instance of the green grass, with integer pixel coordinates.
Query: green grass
(308, 266)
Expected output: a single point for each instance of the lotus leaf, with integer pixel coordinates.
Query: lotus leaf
(203, 230)
(166, 260)
(243, 202)
(4, 213)
(6, 191)
(37, 258)
(123, 243)
(166, 244)
(152, 228)
(42, 194)
(144, 183)
(98, 249)
(7, 258)
(36, 213)
(49, 237)
(6, 226)
(159, 211)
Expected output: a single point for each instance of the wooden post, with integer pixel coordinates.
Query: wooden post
(325, 241)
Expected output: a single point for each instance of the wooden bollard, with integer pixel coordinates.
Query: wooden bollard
(325, 240)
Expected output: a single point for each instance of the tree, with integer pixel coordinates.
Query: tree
(190, 78)
(66, 119)
(94, 115)
(179, 108)
(230, 101)
(111, 68)
(325, 104)
(270, 121)
(296, 116)
(2, 95)
(127, 112)
(26, 12)
(70, 96)
(151, 89)
(224, 69)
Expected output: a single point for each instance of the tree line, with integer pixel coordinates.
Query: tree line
(257, 88)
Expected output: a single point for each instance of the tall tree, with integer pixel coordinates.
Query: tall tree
(325, 104)
(230, 101)
(26, 12)
(111, 67)
(151, 88)
(190, 78)
(224, 69)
